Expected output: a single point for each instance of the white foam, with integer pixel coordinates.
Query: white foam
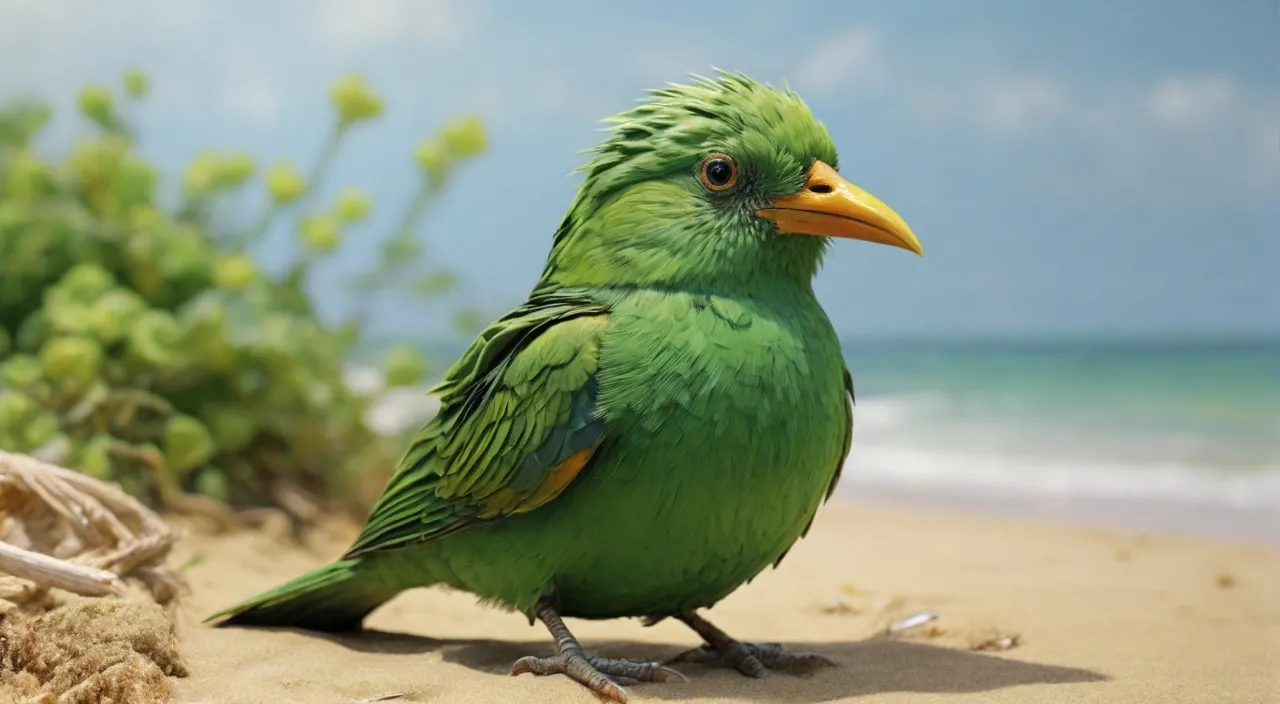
(898, 441)
(911, 467)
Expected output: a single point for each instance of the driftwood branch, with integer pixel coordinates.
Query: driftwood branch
(51, 572)
(62, 529)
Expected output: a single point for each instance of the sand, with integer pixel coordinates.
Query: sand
(1092, 616)
(89, 651)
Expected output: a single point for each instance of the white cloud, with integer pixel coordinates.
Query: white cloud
(47, 43)
(57, 24)
(849, 61)
(253, 97)
(996, 105)
(1194, 140)
(1193, 101)
(359, 24)
(1021, 104)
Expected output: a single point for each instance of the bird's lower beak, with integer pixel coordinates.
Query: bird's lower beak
(830, 206)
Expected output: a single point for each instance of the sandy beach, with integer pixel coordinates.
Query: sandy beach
(1092, 615)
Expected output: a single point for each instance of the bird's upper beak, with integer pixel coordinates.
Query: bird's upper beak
(830, 206)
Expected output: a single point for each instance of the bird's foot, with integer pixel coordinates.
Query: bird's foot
(757, 659)
(604, 676)
(751, 659)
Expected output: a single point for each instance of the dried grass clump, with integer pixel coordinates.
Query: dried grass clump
(89, 651)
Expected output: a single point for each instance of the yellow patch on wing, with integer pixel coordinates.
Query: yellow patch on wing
(506, 501)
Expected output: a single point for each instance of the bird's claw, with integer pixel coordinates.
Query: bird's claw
(757, 659)
(604, 676)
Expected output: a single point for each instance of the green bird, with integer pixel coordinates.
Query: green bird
(662, 417)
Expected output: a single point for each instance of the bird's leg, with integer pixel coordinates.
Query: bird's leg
(751, 659)
(592, 672)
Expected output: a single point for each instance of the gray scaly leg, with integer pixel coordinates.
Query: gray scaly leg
(588, 670)
(751, 659)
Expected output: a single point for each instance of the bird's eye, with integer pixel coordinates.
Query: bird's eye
(718, 172)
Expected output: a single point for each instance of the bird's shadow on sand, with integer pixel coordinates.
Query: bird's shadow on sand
(865, 667)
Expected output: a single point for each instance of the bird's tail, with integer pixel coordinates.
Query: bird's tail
(334, 598)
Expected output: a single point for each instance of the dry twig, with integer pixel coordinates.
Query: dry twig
(62, 529)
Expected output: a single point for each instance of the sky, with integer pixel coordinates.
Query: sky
(1072, 168)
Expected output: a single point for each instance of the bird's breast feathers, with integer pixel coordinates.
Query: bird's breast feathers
(722, 367)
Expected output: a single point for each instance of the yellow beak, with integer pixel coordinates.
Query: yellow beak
(829, 206)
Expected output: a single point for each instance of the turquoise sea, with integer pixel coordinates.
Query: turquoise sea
(1191, 424)
(1193, 421)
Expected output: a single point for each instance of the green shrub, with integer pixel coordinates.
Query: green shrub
(141, 342)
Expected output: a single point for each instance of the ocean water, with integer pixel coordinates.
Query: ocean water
(1159, 434)
(1188, 422)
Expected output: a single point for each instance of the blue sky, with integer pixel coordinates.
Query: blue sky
(1075, 167)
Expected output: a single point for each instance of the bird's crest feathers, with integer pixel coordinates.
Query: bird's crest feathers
(684, 116)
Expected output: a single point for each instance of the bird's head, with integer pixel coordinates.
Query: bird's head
(725, 184)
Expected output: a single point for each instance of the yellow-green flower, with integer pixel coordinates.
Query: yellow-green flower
(285, 183)
(210, 172)
(136, 83)
(202, 174)
(237, 168)
(465, 136)
(321, 233)
(404, 366)
(466, 320)
(144, 216)
(28, 178)
(96, 161)
(96, 103)
(355, 100)
(135, 182)
(432, 156)
(353, 205)
(234, 271)
(437, 283)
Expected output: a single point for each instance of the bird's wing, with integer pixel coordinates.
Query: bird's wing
(517, 423)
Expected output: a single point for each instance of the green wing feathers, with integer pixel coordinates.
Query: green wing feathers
(517, 423)
(333, 598)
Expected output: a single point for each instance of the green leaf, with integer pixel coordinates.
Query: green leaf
(187, 443)
(71, 363)
(436, 283)
(404, 366)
